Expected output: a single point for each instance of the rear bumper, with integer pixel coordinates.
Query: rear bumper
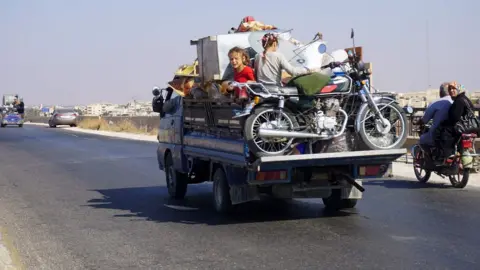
(348, 191)
(347, 169)
(12, 121)
(57, 121)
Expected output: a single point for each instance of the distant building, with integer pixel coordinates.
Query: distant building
(421, 99)
(98, 108)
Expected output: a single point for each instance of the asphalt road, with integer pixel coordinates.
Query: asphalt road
(77, 201)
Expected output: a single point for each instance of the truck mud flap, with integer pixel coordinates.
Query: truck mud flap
(328, 159)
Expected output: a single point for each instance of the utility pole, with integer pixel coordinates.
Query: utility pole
(428, 56)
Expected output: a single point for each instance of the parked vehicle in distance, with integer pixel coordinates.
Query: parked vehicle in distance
(63, 116)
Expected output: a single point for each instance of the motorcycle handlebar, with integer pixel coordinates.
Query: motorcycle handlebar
(333, 65)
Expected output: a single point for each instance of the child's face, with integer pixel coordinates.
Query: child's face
(236, 60)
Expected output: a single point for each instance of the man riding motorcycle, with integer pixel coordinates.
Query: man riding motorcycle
(438, 112)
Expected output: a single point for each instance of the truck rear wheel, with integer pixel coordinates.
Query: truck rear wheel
(176, 182)
(335, 201)
(221, 192)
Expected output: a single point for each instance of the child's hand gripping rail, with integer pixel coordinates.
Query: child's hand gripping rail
(253, 89)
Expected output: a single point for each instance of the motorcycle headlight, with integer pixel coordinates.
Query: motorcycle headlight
(408, 109)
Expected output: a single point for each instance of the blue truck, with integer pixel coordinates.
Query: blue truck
(199, 141)
(11, 117)
(8, 112)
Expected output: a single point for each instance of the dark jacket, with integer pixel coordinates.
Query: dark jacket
(446, 136)
(459, 108)
(20, 107)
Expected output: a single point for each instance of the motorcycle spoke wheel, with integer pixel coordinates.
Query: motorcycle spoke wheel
(418, 166)
(384, 137)
(270, 119)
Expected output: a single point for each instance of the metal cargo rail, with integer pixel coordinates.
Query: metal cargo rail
(328, 159)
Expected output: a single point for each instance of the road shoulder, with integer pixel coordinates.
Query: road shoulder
(121, 135)
(9, 258)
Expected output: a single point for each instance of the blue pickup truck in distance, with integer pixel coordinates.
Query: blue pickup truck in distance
(199, 142)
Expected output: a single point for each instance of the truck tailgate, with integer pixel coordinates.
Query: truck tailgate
(328, 159)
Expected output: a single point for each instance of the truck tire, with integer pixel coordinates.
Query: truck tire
(335, 201)
(221, 192)
(176, 182)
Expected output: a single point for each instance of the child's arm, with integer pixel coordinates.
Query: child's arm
(289, 68)
(250, 75)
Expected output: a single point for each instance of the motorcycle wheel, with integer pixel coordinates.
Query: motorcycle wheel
(418, 162)
(267, 116)
(460, 182)
(372, 142)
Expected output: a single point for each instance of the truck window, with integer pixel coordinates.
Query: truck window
(171, 102)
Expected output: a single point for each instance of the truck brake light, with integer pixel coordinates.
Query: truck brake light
(371, 170)
(271, 175)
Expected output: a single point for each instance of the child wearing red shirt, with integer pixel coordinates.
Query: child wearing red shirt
(242, 73)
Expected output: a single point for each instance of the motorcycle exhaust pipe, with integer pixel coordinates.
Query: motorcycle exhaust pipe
(274, 133)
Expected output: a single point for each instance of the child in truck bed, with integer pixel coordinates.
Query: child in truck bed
(243, 73)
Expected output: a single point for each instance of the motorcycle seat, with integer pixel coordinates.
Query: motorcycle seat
(282, 90)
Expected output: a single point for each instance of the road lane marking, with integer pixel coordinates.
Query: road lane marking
(403, 238)
(111, 134)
